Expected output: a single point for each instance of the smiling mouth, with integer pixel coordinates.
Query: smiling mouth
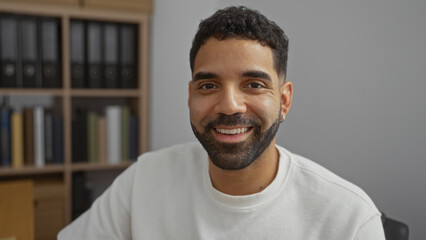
(232, 131)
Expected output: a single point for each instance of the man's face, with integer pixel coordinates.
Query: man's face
(236, 100)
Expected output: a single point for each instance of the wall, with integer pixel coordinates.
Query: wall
(358, 69)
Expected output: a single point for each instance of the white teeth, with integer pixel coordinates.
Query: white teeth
(232, 131)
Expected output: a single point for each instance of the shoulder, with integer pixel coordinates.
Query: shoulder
(336, 194)
(174, 158)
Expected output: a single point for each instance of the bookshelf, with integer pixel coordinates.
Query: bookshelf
(66, 98)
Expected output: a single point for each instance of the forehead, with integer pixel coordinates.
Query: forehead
(233, 56)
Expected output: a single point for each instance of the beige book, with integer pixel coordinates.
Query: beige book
(17, 130)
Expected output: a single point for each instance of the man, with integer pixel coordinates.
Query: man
(239, 184)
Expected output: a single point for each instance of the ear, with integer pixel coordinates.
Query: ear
(286, 91)
(189, 92)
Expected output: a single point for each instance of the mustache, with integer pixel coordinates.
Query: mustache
(231, 120)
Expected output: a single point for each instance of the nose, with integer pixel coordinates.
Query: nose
(231, 101)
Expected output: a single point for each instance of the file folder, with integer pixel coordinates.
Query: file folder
(8, 50)
(31, 74)
(128, 56)
(94, 54)
(77, 54)
(50, 56)
(111, 55)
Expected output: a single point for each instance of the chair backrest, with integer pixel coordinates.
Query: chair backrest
(394, 230)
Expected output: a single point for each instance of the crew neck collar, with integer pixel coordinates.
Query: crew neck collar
(251, 202)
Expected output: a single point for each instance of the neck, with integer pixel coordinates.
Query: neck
(252, 179)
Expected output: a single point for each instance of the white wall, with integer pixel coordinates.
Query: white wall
(358, 69)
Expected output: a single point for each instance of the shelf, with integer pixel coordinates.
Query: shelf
(65, 101)
(30, 170)
(100, 166)
(32, 91)
(102, 92)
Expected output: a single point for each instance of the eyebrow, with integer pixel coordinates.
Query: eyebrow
(251, 74)
(204, 75)
(257, 74)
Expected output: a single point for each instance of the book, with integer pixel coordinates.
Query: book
(125, 112)
(102, 139)
(94, 54)
(113, 118)
(58, 139)
(48, 137)
(133, 137)
(92, 137)
(111, 55)
(5, 151)
(77, 54)
(79, 138)
(29, 136)
(50, 58)
(128, 56)
(17, 137)
(31, 74)
(9, 50)
(39, 147)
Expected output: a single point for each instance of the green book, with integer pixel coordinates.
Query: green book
(92, 133)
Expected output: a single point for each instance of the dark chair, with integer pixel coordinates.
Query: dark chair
(394, 230)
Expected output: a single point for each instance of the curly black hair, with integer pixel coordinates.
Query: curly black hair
(243, 23)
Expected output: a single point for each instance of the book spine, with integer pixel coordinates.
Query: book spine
(29, 47)
(5, 153)
(39, 154)
(133, 137)
(58, 139)
(9, 50)
(125, 112)
(94, 54)
(113, 116)
(128, 56)
(77, 54)
(29, 136)
(92, 143)
(48, 137)
(17, 137)
(79, 139)
(111, 55)
(50, 53)
(102, 139)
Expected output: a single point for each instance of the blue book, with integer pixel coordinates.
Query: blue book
(58, 139)
(5, 151)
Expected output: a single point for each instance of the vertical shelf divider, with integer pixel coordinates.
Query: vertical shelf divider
(67, 115)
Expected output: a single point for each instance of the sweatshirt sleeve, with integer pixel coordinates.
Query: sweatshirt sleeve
(371, 230)
(109, 215)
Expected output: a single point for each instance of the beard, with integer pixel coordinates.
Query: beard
(235, 156)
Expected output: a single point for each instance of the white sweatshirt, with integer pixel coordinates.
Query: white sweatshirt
(168, 194)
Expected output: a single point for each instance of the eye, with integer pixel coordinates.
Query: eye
(207, 86)
(255, 85)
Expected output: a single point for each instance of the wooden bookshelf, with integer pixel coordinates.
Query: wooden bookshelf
(31, 170)
(66, 95)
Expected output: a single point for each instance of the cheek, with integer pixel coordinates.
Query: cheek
(198, 109)
(267, 110)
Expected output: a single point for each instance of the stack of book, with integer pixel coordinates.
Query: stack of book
(110, 137)
(103, 54)
(29, 52)
(33, 136)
